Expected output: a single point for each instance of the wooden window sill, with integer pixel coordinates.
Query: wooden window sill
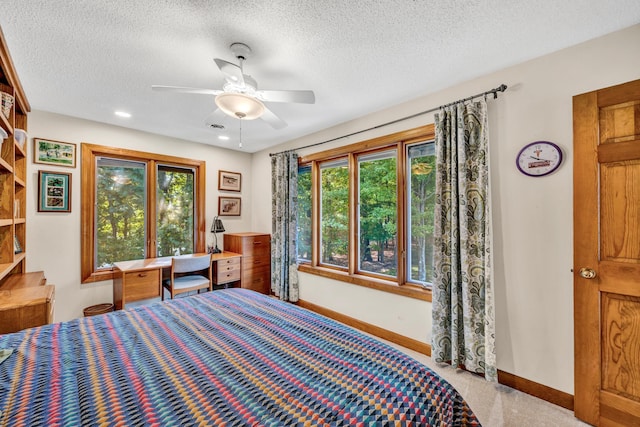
(407, 290)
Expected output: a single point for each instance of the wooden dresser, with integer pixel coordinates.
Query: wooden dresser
(25, 301)
(256, 259)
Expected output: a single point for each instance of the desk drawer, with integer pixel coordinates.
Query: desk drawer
(227, 276)
(228, 264)
(141, 284)
(226, 270)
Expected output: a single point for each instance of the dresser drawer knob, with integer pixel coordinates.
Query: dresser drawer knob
(142, 274)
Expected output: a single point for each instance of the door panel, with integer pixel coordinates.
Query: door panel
(607, 242)
(620, 211)
(621, 339)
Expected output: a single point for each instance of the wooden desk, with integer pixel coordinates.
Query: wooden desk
(142, 279)
(25, 301)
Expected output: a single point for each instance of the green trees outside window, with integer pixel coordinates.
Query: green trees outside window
(421, 199)
(122, 211)
(334, 212)
(391, 177)
(121, 206)
(175, 211)
(304, 213)
(138, 205)
(377, 213)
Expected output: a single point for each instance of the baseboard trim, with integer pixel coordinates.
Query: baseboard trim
(524, 385)
(538, 390)
(407, 342)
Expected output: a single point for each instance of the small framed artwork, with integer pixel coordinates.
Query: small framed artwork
(57, 153)
(229, 206)
(17, 247)
(54, 191)
(229, 181)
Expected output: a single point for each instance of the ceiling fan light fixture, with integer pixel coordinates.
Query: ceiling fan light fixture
(239, 105)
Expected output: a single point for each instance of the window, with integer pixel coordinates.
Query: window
(175, 211)
(421, 170)
(377, 213)
(304, 214)
(371, 212)
(334, 213)
(138, 205)
(120, 211)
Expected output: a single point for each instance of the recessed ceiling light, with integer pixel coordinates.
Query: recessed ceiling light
(223, 137)
(123, 114)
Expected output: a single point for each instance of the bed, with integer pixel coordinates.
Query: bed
(229, 357)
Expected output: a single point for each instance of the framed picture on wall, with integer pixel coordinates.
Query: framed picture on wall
(229, 206)
(54, 191)
(57, 153)
(229, 181)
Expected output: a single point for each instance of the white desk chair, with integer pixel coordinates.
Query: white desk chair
(181, 281)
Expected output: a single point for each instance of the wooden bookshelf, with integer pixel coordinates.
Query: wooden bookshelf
(13, 172)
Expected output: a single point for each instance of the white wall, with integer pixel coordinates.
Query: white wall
(532, 217)
(53, 239)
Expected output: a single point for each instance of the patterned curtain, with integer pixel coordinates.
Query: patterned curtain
(463, 328)
(284, 224)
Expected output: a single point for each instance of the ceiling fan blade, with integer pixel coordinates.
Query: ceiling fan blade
(273, 120)
(182, 89)
(298, 96)
(232, 72)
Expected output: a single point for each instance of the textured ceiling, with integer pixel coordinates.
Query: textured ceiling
(88, 58)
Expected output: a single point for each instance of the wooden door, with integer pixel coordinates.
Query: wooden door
(606, 131)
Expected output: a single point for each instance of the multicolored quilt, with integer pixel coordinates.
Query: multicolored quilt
(230, 357)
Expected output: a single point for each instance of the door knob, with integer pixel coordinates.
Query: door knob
(587, 273)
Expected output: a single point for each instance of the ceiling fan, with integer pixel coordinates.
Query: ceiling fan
(240, 97)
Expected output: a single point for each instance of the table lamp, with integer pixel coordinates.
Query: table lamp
(216, 227)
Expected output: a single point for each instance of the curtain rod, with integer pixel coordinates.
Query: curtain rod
(494, 91)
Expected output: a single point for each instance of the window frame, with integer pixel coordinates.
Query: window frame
(173, 168)
(302, 169)
(356, 234)
(408, 219)
(90, 153)
(398, 141)
(334, 162)
(110, 161)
